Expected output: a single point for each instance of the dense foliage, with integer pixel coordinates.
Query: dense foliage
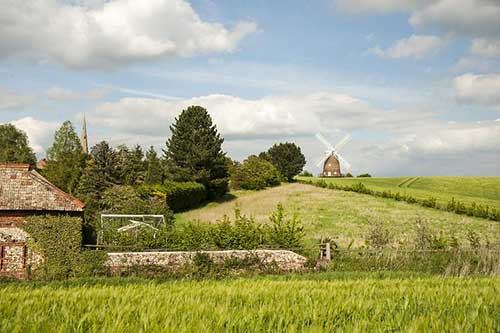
(14, 146)
(254, 174)
(194, 152)
(58, 240)
(178, 196)
(154, 172)
(287, 158)
(65, 159)
(241, 232)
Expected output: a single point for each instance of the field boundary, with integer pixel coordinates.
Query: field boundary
(453, 206)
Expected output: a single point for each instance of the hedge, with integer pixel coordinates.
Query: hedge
(182, 196)
(455, 206)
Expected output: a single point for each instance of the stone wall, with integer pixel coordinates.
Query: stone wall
(15, 256)
(284, 260)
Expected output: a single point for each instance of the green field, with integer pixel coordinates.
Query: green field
(314, 302)
(346, 216)
(481, 190)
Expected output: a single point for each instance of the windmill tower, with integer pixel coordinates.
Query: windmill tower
(83, 140)
(330, 162)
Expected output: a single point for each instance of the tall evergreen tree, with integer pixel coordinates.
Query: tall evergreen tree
(130, 165)
(153, 167)
(287, 158)
(106, 166)
(194, 151)
(65, 159)
(14, 146)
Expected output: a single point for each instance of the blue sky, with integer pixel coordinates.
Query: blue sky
(416, 83)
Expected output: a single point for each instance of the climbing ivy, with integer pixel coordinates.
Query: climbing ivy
(58, 240)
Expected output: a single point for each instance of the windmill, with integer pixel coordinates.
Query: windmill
(330, 162)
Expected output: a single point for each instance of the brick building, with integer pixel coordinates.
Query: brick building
(24, 193)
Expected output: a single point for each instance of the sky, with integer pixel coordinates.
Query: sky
(415, 82)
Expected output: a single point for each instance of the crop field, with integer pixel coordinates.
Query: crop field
(481, 190)
(319, 302)
(346, 216)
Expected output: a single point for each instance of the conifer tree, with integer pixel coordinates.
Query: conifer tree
(194, 152)
(14, 146)
(153, 167)
(130, 165)
(65, 159)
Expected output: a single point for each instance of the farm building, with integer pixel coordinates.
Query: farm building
(24, 193)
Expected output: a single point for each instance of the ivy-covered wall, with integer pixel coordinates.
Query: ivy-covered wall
(58, 240)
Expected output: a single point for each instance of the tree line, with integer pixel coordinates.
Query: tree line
(193, 153)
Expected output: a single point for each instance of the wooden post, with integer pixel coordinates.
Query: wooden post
(325, 251)
(328, 253)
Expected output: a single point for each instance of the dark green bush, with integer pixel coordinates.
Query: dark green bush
(255, 174)
(364, 175)
(181, 196)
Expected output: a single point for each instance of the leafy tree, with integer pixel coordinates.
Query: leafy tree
(194, 152)
(255, 174)
(130, 165)
(287, 158)
(14, 146)
(65, 159)
(154, 172)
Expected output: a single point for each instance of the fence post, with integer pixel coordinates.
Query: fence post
(328, 252)
(325, 252)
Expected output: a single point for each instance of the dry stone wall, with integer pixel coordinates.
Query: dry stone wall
(283, 260)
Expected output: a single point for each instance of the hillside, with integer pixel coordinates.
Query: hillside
(345, 216)
(481, 190)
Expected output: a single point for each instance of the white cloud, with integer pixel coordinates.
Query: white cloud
(365, 6)
(238, 117)
(467, 64)
(485, 47)
(12, 101)
(471, 17)
(40, 133)
(478, 88)
(414, 46)
(110, 32)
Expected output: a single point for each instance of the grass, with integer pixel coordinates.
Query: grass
(346, 216)
(481, 190)
(321, 302)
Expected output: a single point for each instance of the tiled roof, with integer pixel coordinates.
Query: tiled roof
(25, 189)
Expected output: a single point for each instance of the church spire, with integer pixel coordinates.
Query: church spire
(83, 140)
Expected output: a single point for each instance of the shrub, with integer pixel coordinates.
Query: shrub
(242, 234)
(348, 175)
(364, 175)
(378, 236)
(285, 233)
(181, 196)
(255, 174)
(306, 173)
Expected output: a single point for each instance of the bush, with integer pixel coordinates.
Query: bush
(306, 173)
(348, 175)
(285, 233)
(255, 174)
(181, 196)
(242, 234)
(364, 175)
